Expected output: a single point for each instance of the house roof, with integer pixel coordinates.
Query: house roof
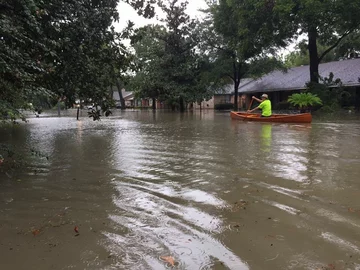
(229, 88)
(296, 78)
(125, 95)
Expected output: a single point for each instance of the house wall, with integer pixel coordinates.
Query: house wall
(209, 104)
(275, 98)
(353, 100)
(223, 99)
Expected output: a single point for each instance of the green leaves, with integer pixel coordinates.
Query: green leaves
(240, 38)
(304, 100)
(325, 22)
(167, 63)
(64, 50)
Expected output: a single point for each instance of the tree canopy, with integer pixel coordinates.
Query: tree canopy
(59, 50)
(325, 22)
(239, 42)
(169, 66)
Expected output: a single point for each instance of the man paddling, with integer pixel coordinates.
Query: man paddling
(265, 105)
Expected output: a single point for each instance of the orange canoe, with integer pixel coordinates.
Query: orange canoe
(279, 118)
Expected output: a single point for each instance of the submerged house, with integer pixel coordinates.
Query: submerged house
(223, 96)
(128, 97)
(280, 85)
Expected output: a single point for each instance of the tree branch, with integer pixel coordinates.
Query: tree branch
(231, 77)
(336, 43)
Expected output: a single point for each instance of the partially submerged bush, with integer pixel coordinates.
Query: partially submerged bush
(304, 101)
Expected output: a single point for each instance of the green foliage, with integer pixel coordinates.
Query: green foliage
(330, 91)
(61, 104)
(22, 46)
(304, 100)
(149, 46)
(350, 46)
(167, 64)
(240, 37)
(301, 57)
(52, 50)
(325, 22)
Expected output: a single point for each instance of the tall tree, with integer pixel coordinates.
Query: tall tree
(241, 35)
(149, 50)
(48, 48)
(169, 67)
(22, 47)
(326, 22)
(180, 64)
(300, 56)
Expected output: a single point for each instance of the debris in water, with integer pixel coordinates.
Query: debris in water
(168, 259)
(351, 210)
(240, 205)
(35, 232)
(76, 230)
(272, 258)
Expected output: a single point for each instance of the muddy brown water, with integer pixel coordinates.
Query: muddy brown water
(210, 192)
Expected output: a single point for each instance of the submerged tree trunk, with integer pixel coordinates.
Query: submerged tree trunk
(236, 79)
(154, 104)
(313, 54)
(59, 107)
(122, 100)
(236, 98)
(182, 104)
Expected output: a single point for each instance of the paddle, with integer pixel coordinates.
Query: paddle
(251, 104)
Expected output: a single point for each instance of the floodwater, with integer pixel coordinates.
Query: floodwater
(210, 192)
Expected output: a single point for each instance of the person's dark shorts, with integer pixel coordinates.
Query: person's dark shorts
(265, 116)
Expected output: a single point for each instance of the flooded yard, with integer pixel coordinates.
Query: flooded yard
(210, 193)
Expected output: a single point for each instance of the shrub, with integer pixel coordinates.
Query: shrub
(304, 101)
(62, 106)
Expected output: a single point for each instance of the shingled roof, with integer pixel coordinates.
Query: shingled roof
(296, 78)
(229, 88)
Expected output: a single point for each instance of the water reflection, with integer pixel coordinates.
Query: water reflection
(211, 192)
(290, 157)
(166, 198)
(266, 137)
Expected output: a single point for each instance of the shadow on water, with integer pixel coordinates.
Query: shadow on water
(210, 192)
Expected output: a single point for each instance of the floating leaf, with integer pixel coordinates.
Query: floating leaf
(170, 260)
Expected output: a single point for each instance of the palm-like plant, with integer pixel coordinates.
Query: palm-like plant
(304, 100)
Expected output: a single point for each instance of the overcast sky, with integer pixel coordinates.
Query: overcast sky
(128, 13)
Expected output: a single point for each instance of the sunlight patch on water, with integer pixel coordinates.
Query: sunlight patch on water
(341, 243)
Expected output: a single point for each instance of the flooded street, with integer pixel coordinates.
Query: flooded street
(210, 192)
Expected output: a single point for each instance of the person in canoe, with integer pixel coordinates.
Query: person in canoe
(265, 106)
